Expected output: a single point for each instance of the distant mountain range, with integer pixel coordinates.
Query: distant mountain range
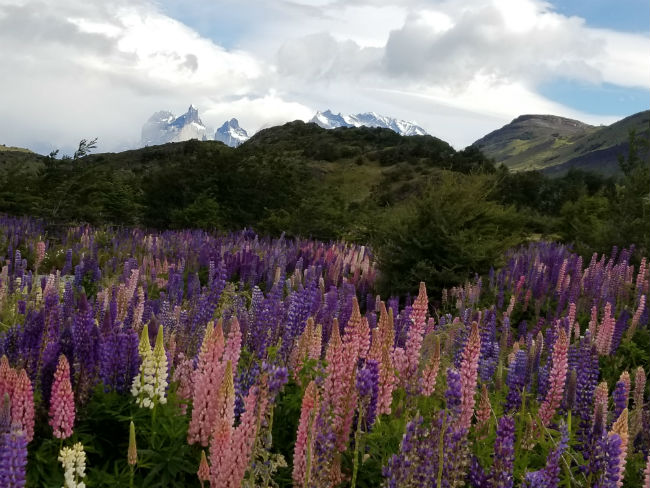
(163, 127)
(555, 144)
(329, 120)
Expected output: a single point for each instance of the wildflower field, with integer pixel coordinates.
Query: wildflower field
(179, 359)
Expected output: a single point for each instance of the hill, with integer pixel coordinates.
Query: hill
(556, 144)
(296, 177)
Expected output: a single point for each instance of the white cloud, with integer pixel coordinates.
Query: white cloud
(83, 69)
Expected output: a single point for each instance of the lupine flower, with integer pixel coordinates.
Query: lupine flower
(367, 387)
(304, 446)
(149, 386)
(557, 379)
(516, 381)
(22, 405)
(469, 376)
(504, 453)
(620, 396)
(13, 458)
(484, 409)
(601, 395)
(203, 473)
(62, 410)
(620, 428)
(454, 392)
(606, 331)
(74, 465)
(646, 474)
(184, 376)
(415, 335)
(430, 372)
(549, 476)
(132, 454)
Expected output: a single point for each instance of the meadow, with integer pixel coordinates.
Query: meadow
(188, 358)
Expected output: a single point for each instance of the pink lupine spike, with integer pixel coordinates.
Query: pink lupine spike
(184, 376)
(484, 409)
(219, 452)
(606, 331)
(315, 345)
(469, 376)
(305, 437)
(593, 323)
(620, 427)
(430, 372)
(203, 473)
(243, 438)
(364, 338)
(375, 345)
(646, 473)
(557, 378)
(62, 411)
(233, 344)
(386, 383)
(601, 396)
(207, 379)
(415, 336)
(6, 382)
(639, 387)
(22, 405)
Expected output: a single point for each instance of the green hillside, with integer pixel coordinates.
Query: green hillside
(555, 144)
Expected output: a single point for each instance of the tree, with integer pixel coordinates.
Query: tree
(85, 147)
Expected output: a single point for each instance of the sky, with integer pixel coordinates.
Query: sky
(74, 69)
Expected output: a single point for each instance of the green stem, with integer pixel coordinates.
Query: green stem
(153, 424)
(357, 439)
(131, 478)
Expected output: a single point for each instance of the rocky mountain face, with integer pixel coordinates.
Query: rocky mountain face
(231, 134)
(329, 120)
(163, 127)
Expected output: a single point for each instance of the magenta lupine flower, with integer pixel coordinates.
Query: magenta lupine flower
(62, 411)
(469, 376)
(504, 454)
(430, 372)
(557, 378)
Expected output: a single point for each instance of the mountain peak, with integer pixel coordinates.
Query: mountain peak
(163, 127)
(231, 134)
(329, 120)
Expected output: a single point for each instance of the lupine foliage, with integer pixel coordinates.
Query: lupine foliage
(275, 365)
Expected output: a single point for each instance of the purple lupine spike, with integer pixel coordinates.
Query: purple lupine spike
(453, 394)
(620, 396)
(13, 458)
(504, 454)
(516, 381)
(368, 388)
(549, 476)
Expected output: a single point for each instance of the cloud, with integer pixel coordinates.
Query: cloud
(74, 69)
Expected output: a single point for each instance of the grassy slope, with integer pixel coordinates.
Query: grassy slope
(541, 142)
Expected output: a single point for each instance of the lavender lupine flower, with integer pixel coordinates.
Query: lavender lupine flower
(586, 381)
(368, 388)
(405, 469)
(477, 476)
(504, 454)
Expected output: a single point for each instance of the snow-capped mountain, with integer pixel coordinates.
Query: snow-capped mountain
(329, 120)
(163, 127)
(231, 134)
